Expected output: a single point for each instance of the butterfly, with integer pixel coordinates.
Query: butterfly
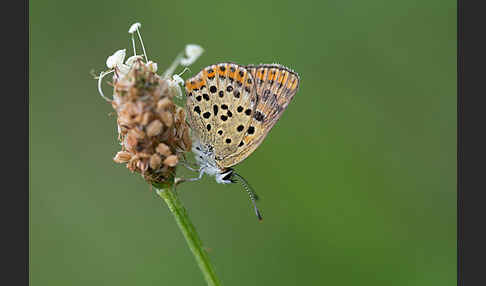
(231, 108)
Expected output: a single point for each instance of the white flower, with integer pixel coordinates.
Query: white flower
(177, 79)
(134, 28)
(120, 68)
(123, 70)
(152, 66)
(174, 85)
(116, 59)
(115, 64)
(131, 60)
(192, 52)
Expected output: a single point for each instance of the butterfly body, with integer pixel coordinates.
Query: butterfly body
(208, 164)
(231, 108)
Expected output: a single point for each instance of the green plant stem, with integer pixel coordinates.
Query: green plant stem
(187, 228)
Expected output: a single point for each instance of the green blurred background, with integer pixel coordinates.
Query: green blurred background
(357, 180)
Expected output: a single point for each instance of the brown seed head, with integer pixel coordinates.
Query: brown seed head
(152, 129)
(163, 150)
(171, 161)
(155, 161)
(167, 118)
(164, 104)
(122, 157)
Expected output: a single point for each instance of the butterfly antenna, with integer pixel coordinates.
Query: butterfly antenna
(251, 193)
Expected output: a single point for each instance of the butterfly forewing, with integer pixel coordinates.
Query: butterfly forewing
(220, 103)
(275, 86)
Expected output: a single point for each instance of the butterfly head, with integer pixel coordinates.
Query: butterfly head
(225, 177)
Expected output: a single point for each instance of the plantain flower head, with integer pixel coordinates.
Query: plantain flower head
(152, 129)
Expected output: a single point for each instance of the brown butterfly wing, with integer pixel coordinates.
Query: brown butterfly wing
(219, 103)
(275, 86)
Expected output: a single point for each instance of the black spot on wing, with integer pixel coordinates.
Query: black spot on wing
(259, 116)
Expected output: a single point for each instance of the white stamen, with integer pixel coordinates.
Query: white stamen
(168, 72)
(185, 69)
(117, 58)
(134, 27)
(143, 47)
(133, 44)
(192, 52)
(100, 78)
(132, 30)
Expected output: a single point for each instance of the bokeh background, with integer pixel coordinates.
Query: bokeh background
(357, 180)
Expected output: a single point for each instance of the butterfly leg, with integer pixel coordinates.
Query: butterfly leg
(190, 168)
(201, 172)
